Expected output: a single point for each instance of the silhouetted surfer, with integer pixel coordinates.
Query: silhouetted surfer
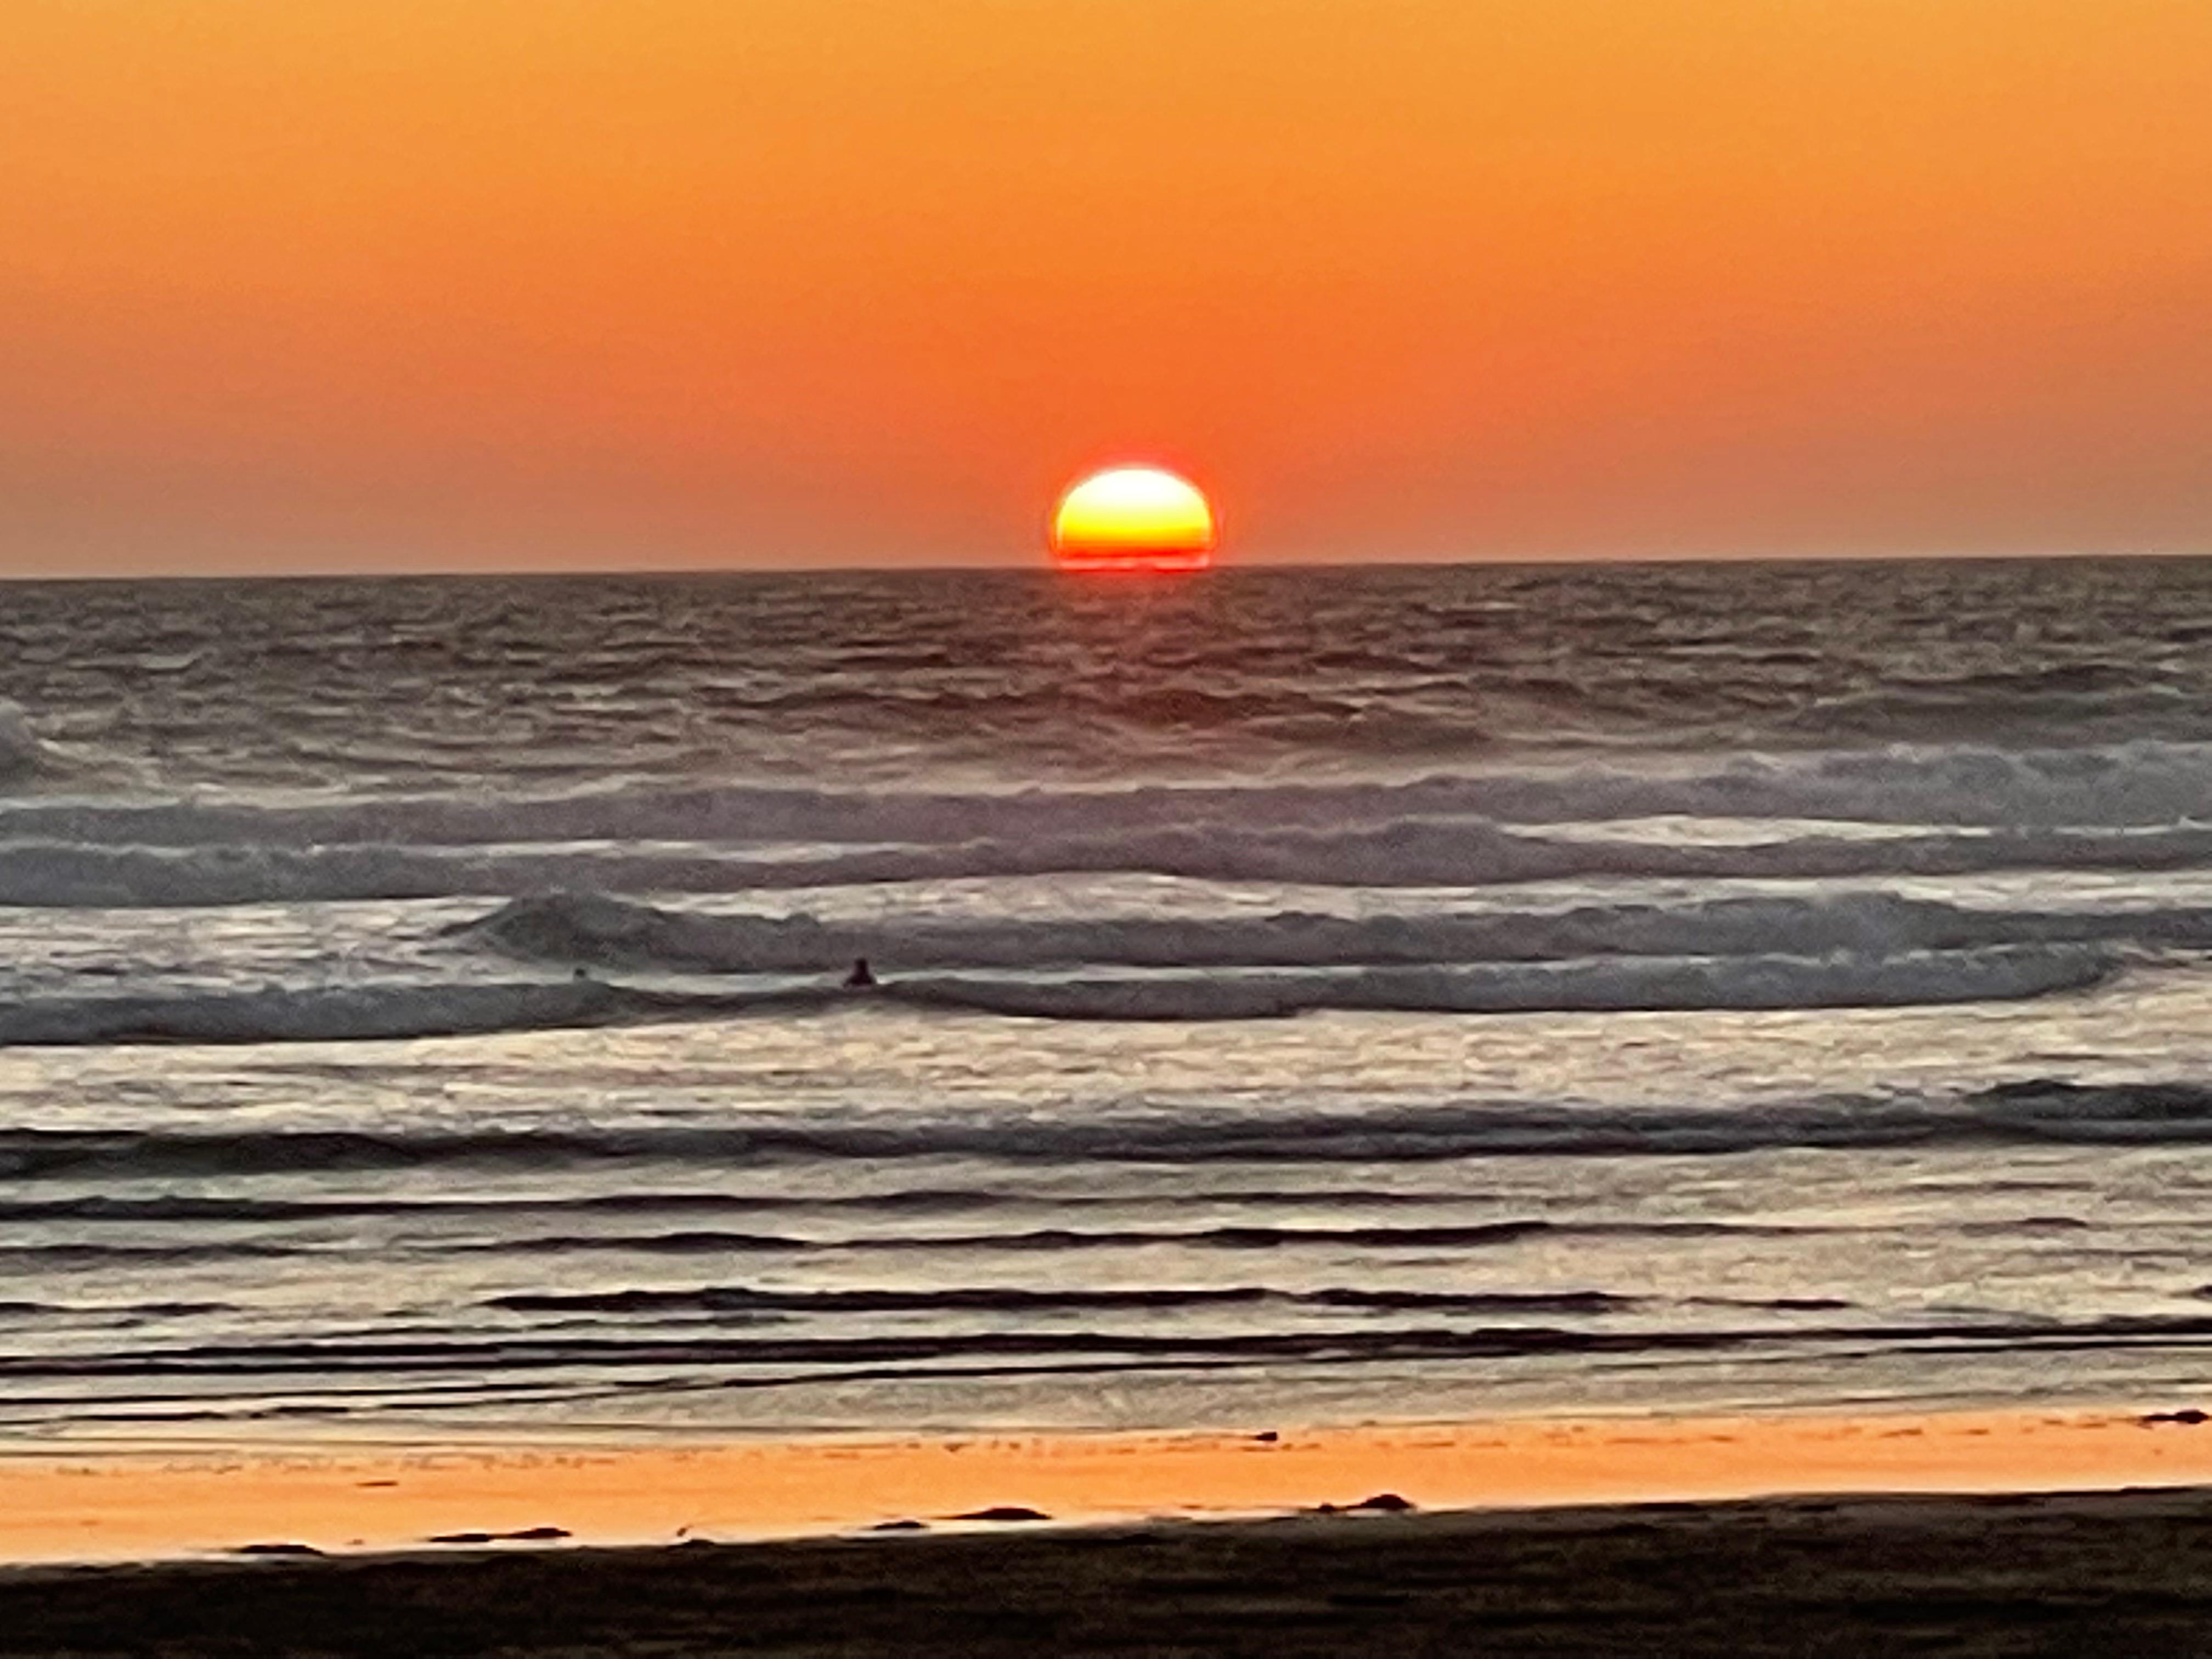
(860, 979)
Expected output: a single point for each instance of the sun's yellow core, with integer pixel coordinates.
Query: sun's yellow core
(1133, 518)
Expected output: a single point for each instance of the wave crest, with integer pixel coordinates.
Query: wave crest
(601, 930)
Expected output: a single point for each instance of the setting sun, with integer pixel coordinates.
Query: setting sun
(1133, 518)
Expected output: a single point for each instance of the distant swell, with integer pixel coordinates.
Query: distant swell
(995, 1299)
(1047, 1239)
(710, 1243)
(2156, 784)
(2047, 1110)
(741, 1361)
(1631, 984)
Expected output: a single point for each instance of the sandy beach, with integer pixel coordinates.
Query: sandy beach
(87, 1505)
(1974, 1532)
(2108, 1573)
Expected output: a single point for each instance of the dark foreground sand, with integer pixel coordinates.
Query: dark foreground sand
(2125, 1573)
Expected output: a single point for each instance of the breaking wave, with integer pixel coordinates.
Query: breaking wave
(599, 930)
(1852, 950)
(1944, 811)
(1626, 984)
(24, 754)
(2139, 782)
(575, 960)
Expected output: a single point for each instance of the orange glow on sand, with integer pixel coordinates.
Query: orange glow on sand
(60, 1506)
(1133, 518)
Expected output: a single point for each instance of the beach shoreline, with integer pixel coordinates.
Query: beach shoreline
(111, 1504)
(2124, 1571)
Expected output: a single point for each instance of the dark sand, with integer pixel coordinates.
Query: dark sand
(2125, 1573)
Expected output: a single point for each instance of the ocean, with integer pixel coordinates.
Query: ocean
(1304, 996)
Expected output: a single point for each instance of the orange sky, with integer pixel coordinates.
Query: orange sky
(359, 283)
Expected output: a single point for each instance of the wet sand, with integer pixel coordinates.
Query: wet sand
(1521, 1537)
(2108, 1573)
(149, 1503)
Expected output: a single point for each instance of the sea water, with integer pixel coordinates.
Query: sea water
(1304, 996)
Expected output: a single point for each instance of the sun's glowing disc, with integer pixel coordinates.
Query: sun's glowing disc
(1133, 518)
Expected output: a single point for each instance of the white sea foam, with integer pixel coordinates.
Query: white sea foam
(2135, 784)
(81, 853)
(23, 754)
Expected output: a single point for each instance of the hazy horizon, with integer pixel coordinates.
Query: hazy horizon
(398, 569)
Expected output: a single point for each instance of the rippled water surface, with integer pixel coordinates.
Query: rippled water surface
(1304, 993)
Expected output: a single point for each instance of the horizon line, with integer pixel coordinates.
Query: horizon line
(1046, 567)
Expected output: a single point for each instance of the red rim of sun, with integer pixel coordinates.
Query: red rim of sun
(1133, 518)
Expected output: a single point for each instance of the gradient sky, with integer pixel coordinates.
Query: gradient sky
(313, 284)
